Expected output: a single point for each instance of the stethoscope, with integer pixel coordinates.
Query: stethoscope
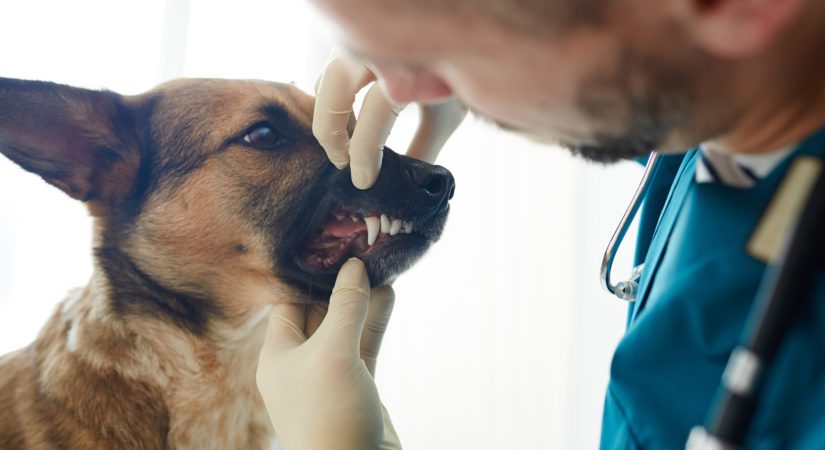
(626, 290)
(785, 290)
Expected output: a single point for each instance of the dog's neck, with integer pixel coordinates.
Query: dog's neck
(203, 366)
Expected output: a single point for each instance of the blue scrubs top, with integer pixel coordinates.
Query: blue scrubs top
(697, 288)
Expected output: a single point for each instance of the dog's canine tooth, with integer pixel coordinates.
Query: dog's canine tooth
(339, 217)
(385, 224)
(395, 226)
(406, 228)
(354, 219)
(373, 226)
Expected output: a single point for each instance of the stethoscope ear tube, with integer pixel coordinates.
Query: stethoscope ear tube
(783, 295)
(626, 290)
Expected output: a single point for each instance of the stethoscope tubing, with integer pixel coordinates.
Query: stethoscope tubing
(626, 290)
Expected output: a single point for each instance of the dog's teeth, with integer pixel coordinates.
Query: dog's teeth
(395, 226)
(406, 228)
(339, 217)
(385, 224)
(373, 227)
(354, 219)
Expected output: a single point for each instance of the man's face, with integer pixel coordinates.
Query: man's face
(588, 88)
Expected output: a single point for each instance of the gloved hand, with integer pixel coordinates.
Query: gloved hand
(333, 120)
(315, 371)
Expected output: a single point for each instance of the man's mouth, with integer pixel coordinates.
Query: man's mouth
(350, 232)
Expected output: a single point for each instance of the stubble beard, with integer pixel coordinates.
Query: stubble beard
(641, 102)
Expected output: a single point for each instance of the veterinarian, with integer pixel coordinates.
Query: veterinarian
(731, 93)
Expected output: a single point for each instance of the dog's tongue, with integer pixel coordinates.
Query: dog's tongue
(343, 228)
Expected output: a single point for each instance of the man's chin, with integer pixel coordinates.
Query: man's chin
(600, 149)
(613, 152)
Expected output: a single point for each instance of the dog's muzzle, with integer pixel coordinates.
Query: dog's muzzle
(388, 226)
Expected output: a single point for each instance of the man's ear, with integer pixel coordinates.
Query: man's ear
(82, 141)
(739, 28)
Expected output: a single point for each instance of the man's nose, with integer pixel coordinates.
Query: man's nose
(406, 85)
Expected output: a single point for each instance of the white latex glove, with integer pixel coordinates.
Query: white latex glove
(335, 92)
(315, 371)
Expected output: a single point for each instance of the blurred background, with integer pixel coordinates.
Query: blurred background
(501, 336)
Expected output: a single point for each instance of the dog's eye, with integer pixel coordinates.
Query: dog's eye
(262, 136)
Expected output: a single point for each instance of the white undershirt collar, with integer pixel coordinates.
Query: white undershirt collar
(737, 170)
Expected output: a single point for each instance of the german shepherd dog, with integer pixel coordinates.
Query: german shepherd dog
(211, 200)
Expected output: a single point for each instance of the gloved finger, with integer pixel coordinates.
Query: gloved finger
(341, 80)
(351, 120)
(315, 315)
(285, 330)
(347, 311)
(375, 121)
(437, 124)
(391, 441)
(382, 300)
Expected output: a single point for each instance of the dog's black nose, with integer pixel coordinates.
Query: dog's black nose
(436, 182)
(407, 187)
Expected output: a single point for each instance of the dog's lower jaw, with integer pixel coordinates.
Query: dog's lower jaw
(100, 380)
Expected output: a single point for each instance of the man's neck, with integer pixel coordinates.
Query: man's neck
(772, 126)
(782, 95)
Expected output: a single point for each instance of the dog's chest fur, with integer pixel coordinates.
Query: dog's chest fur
(93, 381)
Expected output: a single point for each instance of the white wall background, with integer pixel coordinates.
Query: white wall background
(501, 338)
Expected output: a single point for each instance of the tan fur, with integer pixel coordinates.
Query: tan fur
(196, 235)
(96, 380)
(166, 373)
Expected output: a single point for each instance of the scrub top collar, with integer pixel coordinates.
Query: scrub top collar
(738, 170)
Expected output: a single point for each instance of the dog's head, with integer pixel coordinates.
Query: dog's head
(203, 188)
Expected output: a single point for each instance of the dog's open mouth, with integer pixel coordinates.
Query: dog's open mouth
(387, 245)
(347, 232)
(388, 226)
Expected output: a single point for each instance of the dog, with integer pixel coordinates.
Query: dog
(211, 201)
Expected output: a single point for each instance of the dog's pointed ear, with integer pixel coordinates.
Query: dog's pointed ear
(82, 141)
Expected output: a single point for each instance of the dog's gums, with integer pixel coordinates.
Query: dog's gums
(349, 232)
